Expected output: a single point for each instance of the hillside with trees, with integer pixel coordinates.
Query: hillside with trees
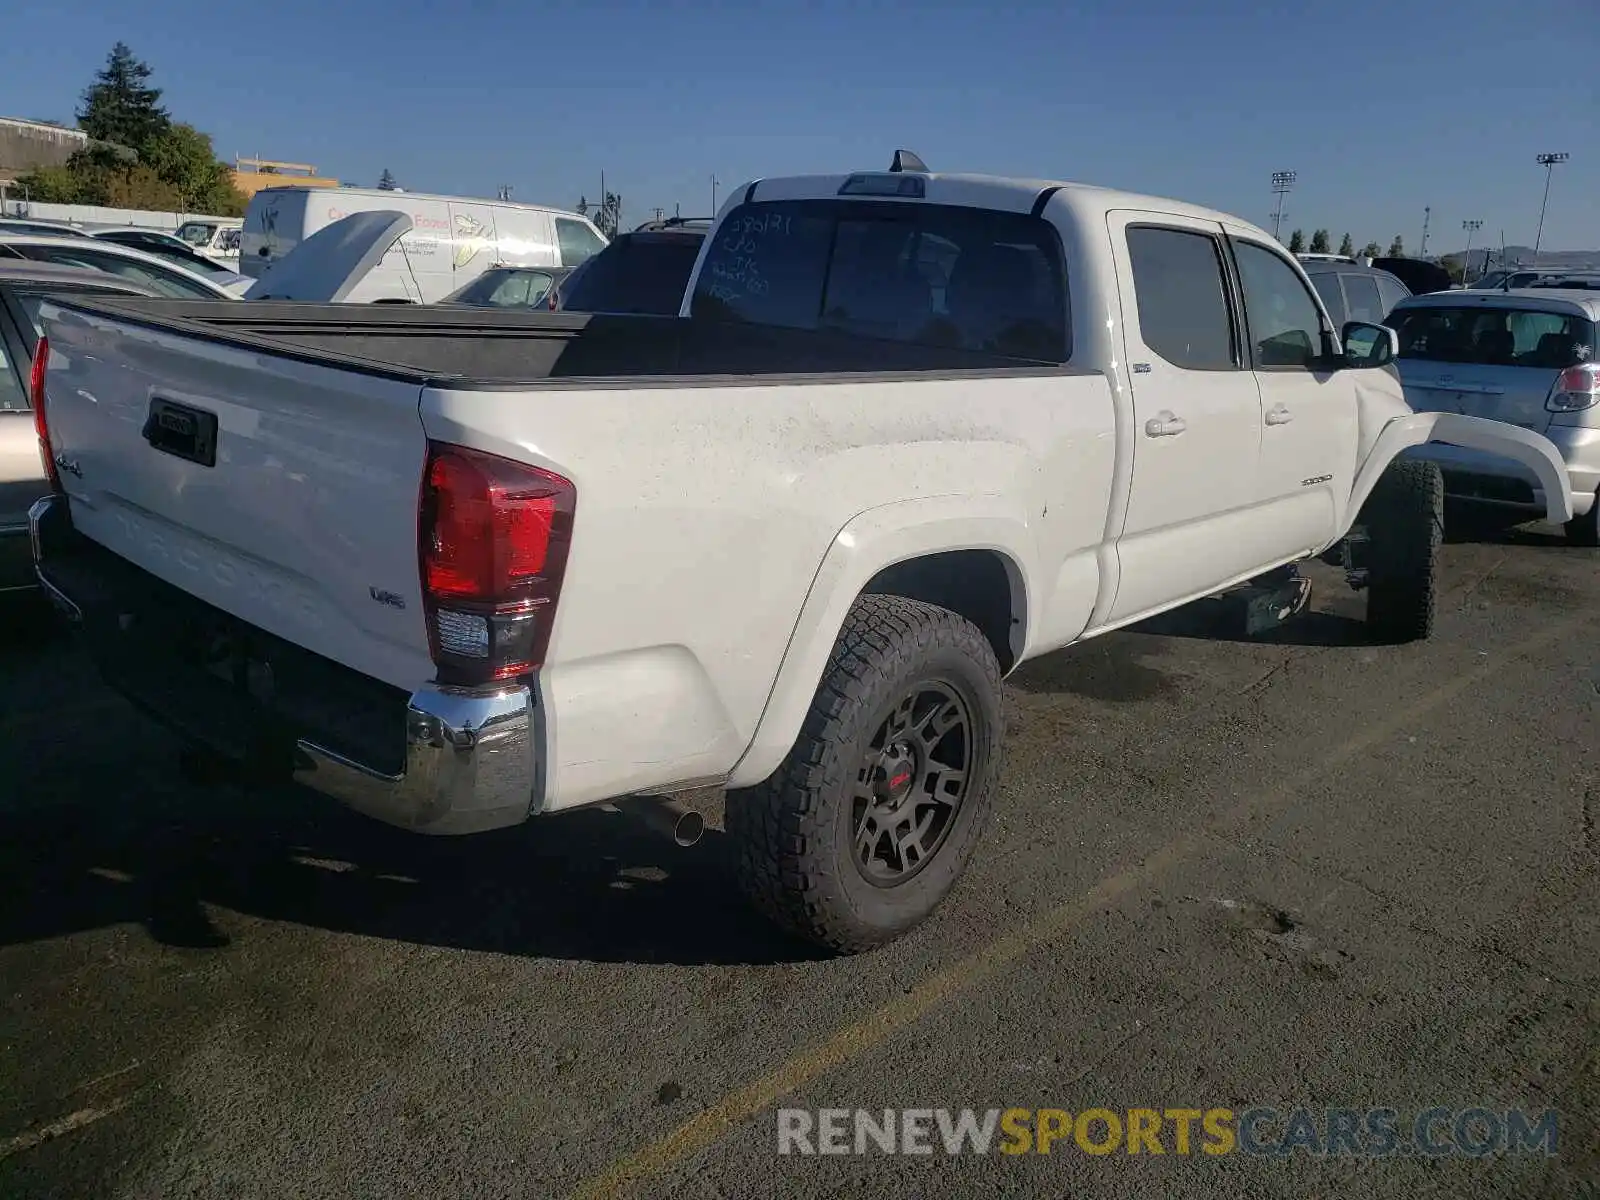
(137, 156)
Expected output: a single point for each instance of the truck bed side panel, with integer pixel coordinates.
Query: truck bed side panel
(705, 510)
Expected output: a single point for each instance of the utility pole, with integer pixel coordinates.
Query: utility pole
(713, 195)
(1471, 227)
(1548, 162)
(1282, 184)
(1427, 214)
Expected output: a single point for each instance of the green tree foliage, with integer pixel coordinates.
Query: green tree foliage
(120, 107)
(386, 182)
(1397, 248)
(1297, 242)
(137, 156)
(1319, 242)
(1347, 247)
(1370, 250)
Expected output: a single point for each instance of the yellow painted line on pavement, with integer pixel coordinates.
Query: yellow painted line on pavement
(67, 1124)
(850, 1042)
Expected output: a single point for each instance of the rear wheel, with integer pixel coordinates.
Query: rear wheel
(1404, 519)
(875, 812)
(1585, 530)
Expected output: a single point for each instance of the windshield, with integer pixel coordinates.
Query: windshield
(637, 273)
(1499, 337)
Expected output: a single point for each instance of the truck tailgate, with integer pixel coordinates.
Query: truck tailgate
(280, 491)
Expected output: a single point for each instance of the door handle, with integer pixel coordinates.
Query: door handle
(1279, 416)
(1164, 424)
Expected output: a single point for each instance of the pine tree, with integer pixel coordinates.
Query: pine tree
(1319, 242)
(386, 181)
(1347, 247)
(1297, 242)
(1370, 250)
(119, 107)
(1396, 248)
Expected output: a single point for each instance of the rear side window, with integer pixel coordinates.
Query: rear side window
(1361, 291)
(577, 241)
(1327, 285)
(1182, 296)
(505, 289)
(638, 273)
(1500, 337)
(934, 275)
(1390, 292)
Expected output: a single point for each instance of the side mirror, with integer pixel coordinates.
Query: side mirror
(1369, 345)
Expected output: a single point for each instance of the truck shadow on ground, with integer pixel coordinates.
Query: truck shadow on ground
(1479, 524)
(588, 886)
(1112, 668)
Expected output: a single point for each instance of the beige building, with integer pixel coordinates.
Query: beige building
(250, 175)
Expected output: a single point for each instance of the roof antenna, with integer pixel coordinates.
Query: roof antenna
(904, 160)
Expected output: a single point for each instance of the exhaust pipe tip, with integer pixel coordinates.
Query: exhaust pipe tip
(678, 823)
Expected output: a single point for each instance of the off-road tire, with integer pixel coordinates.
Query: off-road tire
(796, 834)
(1585, 530)
(1404, 519)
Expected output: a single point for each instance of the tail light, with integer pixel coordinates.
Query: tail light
(1575, 389)
(494, 536)
(41, 422)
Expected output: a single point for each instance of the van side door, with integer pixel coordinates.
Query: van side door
(1189, 525)
(1308, 404)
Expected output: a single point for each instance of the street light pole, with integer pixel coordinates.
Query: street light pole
(713, 195)
(1548, 162)
(1471, 227)
(1282, 183)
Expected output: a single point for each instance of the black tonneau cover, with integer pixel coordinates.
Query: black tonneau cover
(449, 346)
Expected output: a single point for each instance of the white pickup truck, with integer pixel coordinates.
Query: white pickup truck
(458, 568)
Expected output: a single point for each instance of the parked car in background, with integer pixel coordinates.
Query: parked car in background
(1514, 277)
(169, 247)
(93, 254)
(643, 272)
(217, 240)
(19, 225)
(512, 287)
(1524, 357)
(22, 480)
(1583, 281)
(452, 241)
(1418, 274)
(1352, 292)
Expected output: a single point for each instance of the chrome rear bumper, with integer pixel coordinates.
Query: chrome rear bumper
(471, 756)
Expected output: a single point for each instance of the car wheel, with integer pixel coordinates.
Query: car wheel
(875, 812)
(1404, 520)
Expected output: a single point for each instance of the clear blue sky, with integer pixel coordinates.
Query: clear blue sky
(1382, 106)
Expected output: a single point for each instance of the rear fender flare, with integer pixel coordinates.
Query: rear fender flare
(871, 541)
(1532, 450)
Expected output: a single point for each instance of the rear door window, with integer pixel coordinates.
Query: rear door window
(1501, 337)
(1361, 294)
(1327, 285)
(1390, 292)
(1182, 294)
(933, 275)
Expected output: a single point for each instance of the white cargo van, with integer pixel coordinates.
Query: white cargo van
(453, 239)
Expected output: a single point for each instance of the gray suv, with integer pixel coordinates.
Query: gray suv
(1352, 292)
(1526, 357)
